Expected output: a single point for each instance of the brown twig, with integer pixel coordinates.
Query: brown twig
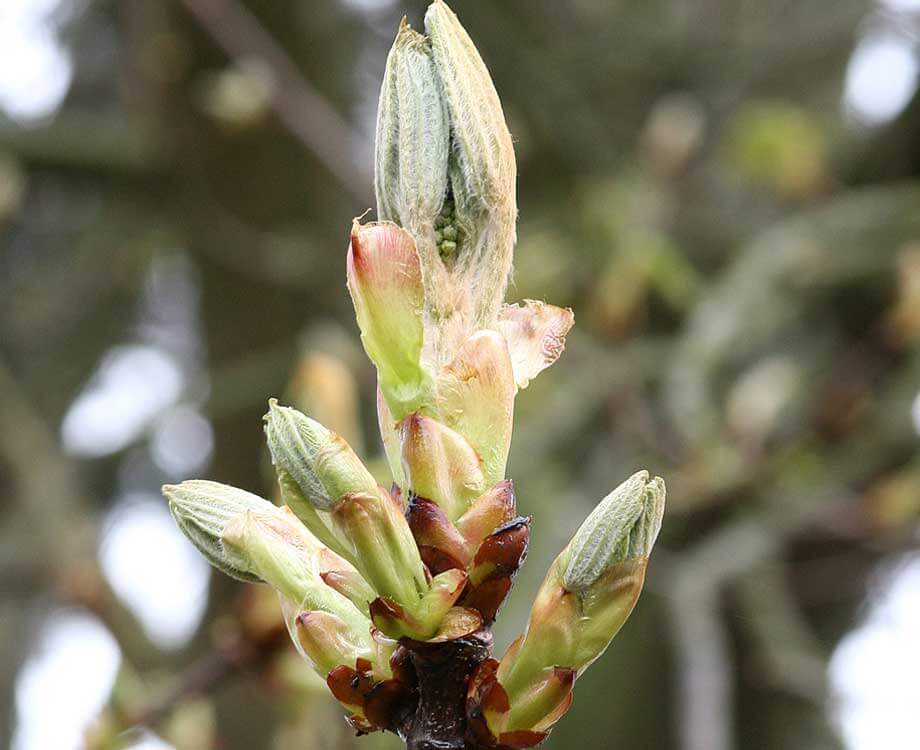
(439, 721)
(212, 672)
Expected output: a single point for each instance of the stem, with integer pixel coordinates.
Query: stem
(444, 671)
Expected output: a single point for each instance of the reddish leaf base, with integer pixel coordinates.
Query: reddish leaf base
(443, 688)
(486, 696)
(434, 700)
(494, 567)
(377, 705)
(439, 697)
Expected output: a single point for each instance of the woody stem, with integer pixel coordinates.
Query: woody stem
(444, 671)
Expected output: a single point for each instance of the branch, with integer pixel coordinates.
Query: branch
(84, 141)
(704, 679)
(298, 105)
(212, 672)
(439, 722)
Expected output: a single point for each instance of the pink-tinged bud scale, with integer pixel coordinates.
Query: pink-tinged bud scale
(385, 281)
(440, 465)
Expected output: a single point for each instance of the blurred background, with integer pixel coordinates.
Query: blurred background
(727, 192)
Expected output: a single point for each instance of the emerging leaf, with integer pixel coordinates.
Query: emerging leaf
(440, 465)
(322, 463)
(202, 510)
(476, 399)
(385, 281)
(536, 335)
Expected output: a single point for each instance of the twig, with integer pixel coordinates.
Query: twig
(94, 143)
(298, 105)
(793, 657)
(704, 681)
(210, 673)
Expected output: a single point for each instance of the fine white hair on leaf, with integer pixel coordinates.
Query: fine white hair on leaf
(623, 526)
(294, 441)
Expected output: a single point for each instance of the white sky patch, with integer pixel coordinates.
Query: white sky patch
(904, 6)
(182, 442)
(169, 310)
(873, 671)
(881, 78)
(64, 683)
(368, 5)
(35, 68)
(149, 741)
(153, 569)
(915, 413)
(132, 385)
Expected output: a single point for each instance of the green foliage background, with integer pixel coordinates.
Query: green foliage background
(743, 266)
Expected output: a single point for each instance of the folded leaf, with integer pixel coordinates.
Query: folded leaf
(536, 335)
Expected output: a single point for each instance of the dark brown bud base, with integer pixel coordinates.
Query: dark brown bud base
(433, 700)
(444, 672)
(491, 566)
(426, 701)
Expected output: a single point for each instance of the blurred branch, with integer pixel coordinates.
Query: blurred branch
(704, 679)
(99, 143)
(298, 104)
(692, 579)
(791, 654)
(892, 153)
(133, 706)
(765, 291)
(213, 671)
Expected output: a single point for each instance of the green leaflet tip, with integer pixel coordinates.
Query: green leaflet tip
(296, 442)
(202, 510)
(622, 527)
